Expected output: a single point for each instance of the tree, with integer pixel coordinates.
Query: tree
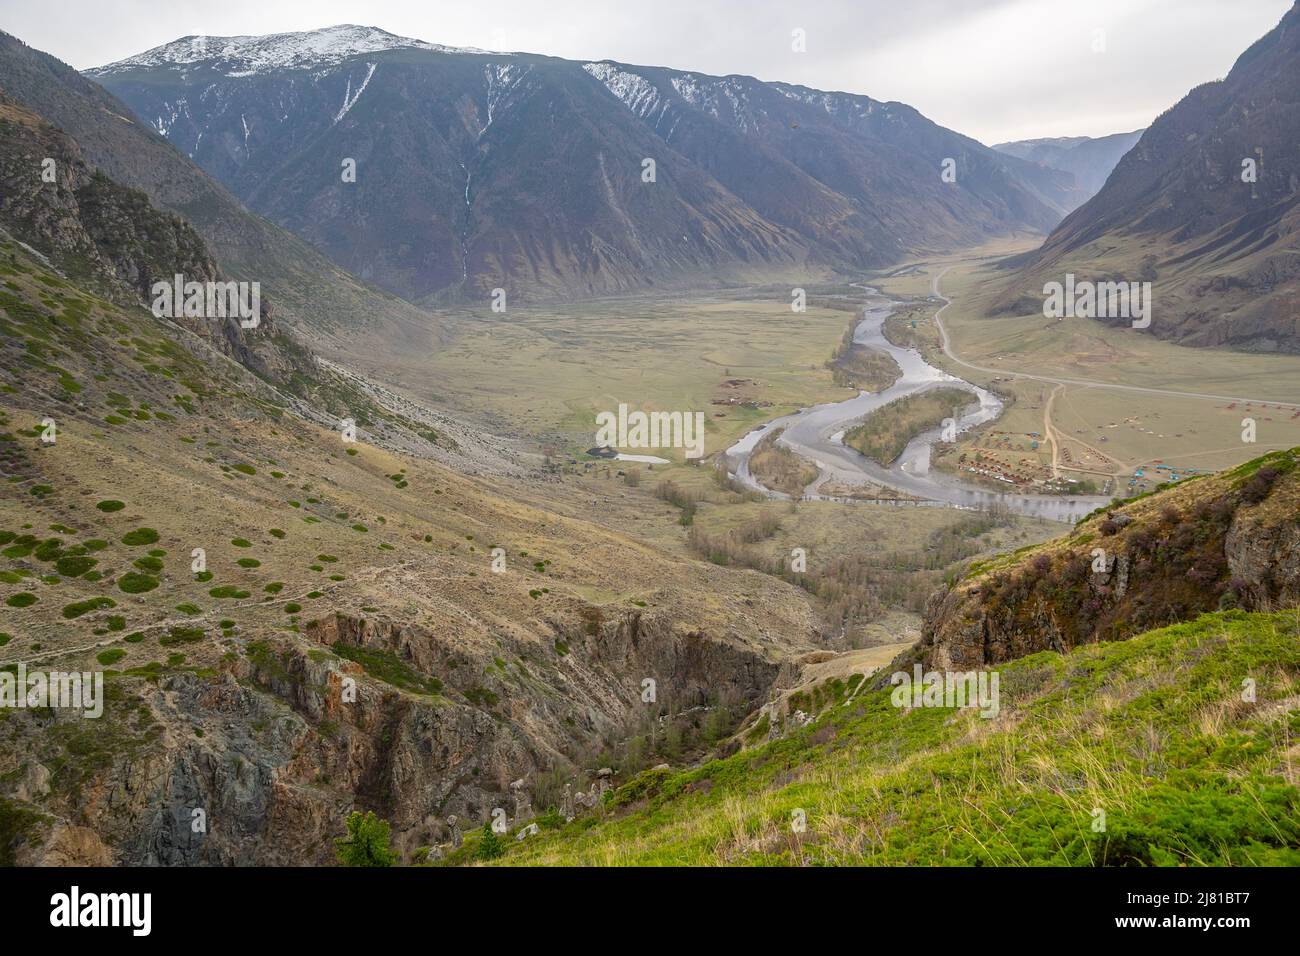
(367, 842)
(491, 846)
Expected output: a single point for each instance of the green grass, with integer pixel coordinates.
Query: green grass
(1153, 731)
(389, 668)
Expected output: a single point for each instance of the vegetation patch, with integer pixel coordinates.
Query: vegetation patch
(139, 537)
(389, 668)
(78, 608)
(885, 434)
(136, 583)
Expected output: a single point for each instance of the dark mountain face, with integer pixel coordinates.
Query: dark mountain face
(1207, 200)
(113, 241)
(477, 170)
(307, 288)
(107, 237)
(1088, 159)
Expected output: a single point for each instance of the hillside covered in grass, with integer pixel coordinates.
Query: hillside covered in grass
(230, 563)
(1152, 732)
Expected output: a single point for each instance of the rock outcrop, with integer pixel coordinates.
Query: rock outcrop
(1229, 540)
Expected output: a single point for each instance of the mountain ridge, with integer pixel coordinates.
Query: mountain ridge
(312, 293)
(1206, 205)
(529, 173)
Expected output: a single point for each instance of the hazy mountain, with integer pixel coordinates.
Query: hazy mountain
(1180, 209)
(1089, 159)
(477, 170)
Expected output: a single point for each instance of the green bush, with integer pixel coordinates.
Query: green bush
(181, 634)
(490, 845)
(228, 591)
(135, 583)
(78, 608)
(367, 842)
(74, 566)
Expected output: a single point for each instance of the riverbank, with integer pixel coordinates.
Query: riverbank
(817, 434)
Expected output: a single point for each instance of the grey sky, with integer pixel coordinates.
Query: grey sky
(993, 69)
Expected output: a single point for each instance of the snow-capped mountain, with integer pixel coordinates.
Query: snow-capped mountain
(481, 170)
(249, 55)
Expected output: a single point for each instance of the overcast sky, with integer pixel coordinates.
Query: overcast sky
(993, 69)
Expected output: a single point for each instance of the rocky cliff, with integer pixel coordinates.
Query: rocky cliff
(1227, 540)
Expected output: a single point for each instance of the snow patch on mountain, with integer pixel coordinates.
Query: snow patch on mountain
(249, 55)
(636, 92)
(500, 79)
(163, 124)
(709, 93)
(349, 100)
(834, 104)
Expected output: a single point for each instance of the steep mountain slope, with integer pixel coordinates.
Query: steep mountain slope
(1137, 753)
(1184, 737)
(476, 171)
(289, 623)
(111, 240)
(309, 290)
(1089, 159)
(324, 564)
(1181, 210)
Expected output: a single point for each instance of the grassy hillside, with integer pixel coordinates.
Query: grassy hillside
(1153, 731)
(322, 558)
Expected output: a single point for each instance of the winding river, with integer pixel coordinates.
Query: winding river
(817, 434)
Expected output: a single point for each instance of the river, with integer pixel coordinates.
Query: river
(817, 434)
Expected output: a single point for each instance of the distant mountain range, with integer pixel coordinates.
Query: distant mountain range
(1089, 159)
(1206, 206)
(479, 170)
